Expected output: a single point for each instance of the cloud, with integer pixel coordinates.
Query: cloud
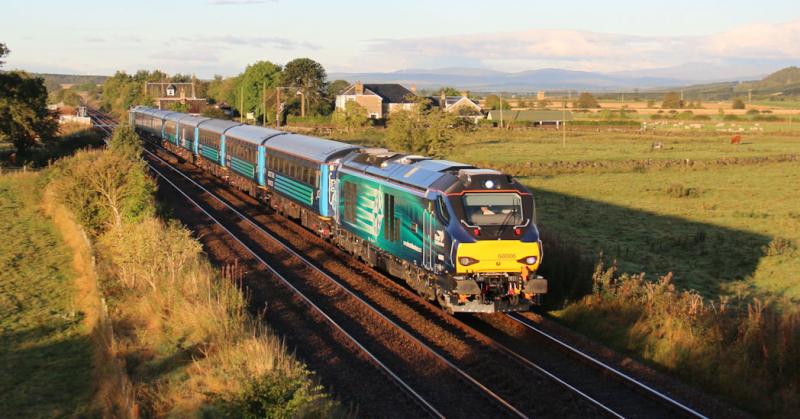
(583, 50)
(251, 41)
(187, 56)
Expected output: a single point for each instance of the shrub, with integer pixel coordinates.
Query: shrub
(738, 104)
(718, 345)
(677, 190)
(752, 112)
(731, 118)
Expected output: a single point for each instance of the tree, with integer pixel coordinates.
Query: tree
(421, 130)
(309, 77)
(738, 103)
(125, 142)
(544, 103)
(586, 101)
(353, 116)
(24, 118)
(256, 77)
(672, 100)
(450, 91)
(493, 102)
(3, 52)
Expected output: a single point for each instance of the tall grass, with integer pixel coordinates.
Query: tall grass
(181, 329)
(746, 350)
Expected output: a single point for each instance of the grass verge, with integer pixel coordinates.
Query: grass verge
(45, 343)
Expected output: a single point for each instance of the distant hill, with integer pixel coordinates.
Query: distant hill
(782, 83)
(477, 79)
(53, 82)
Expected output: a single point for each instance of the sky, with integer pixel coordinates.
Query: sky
(207, 37)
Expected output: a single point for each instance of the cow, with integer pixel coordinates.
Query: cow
(736, 139)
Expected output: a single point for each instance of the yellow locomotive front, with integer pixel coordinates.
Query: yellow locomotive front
(496, 249)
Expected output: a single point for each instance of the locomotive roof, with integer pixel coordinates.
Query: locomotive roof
(310, 148)
(252, 134)
(415, 171)
(217, 126)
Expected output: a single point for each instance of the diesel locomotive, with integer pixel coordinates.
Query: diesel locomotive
(463, 236)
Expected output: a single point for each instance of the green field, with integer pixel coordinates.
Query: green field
(729, 230)
(45, 353)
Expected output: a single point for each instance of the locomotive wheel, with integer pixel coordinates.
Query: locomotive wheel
(441, 298)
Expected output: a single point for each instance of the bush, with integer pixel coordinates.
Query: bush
(717, 345)
(752, 112)
(738, 104)
(104, 188)
(731, 118)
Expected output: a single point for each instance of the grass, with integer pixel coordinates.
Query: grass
(45, 351)
(724, 231)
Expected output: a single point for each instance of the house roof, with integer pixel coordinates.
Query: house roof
(530, 116)
(389, 92)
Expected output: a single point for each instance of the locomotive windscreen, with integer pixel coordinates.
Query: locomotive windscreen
(493, 209)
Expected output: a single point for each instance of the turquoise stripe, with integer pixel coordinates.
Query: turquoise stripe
(243, 167)
(298, 188)
(304, 195)
(210, 153)
(294, 190)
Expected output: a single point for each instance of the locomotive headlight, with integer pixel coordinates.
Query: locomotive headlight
(528, 260)
(489, 184)
(466, 261)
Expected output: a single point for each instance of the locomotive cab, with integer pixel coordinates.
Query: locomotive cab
(496, 248)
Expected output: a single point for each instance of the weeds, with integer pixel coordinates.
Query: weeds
(749, 351)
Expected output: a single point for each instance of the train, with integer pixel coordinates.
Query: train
(459, 235)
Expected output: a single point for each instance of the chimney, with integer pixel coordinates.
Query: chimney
(465, 93)
(359, 88)
(414, 89)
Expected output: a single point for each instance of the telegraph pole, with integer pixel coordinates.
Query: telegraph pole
(241, 103)
(501, 109)
(264, 103)
(278, 107)
(564, 125)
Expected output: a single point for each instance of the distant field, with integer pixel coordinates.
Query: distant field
(546, 146)
(45, 355)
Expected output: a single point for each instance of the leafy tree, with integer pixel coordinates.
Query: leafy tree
(178, 107)
(125, 142)
(24, 118)
(3, 52)
(212, 112)
(544, 103)
(251, 83)
(586, 101)
(450, 91)
(309, 77)
(493, 102)
(337, 86)
(422, 130)
(122, 91)
(353, 116)
(221, 90)
(738, 103)
(672, 100)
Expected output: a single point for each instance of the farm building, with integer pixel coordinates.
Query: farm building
(462, 106)
(530, 117)
(378, 99)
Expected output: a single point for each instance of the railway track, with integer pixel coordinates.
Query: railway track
(515, 380)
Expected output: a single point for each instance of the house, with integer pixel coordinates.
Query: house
(171, 90)
(462, 106)
(530, 117)
(378, 99)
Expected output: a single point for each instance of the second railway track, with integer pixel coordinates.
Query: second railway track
(517, 382)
